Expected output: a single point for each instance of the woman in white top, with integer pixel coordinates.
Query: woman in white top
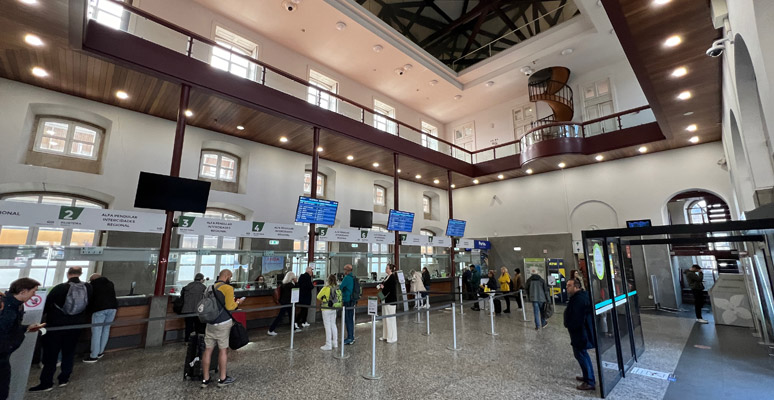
(329, 314)
(417, 287)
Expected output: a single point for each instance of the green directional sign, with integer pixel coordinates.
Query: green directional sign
(402, 237)
(258, 226)
(322, 231)
(70, 213)
(186, 221)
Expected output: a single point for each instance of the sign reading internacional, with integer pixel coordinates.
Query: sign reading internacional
(44, 215)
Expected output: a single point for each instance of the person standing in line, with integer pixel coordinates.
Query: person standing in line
(475, 283)
(11, 328)
(466, 288)
(695, 279)
(417, 286)
(537, 293)
(305, 295)
(518, 284)
(505, 287)
(330, 296)
(347, 286)
(286, 291)
(66, 305)
(218, 331)
(192, 294)
(103, 306)
(426, 283)
(389, 291)
(577, 320)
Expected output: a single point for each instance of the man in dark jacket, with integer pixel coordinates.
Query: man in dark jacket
(11, 328)
(695, 279)
(577, 320)
(466, 286)
(305, 287)
(103, 305)
(475, 283)
(537, 293)
(63, 341)
(192, 294)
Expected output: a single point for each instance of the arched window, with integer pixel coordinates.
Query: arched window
(49, 270)
(192, 263)
(219, 166)
(320, 184)
(697, 212)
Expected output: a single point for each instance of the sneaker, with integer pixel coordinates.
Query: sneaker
(225, 382)
(545, 324)
(381, 339)
(41, 388)
(298, 329)
(90, 360)
(326, 348)
(391, 342)
(349, 341)
(205, 383)
(271, 333)
(702, 321)
(63, 383)
(100, 355)
(585, 386)
(306, 324)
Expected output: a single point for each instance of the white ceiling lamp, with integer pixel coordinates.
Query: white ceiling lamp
(319, 149)
(660, 2)
(562, 165)
(341, 26)
(673, 41)
(475, 181)
(457, 97)
(30, 2)
(489, 84)
(376, 165)
(407, 67)
(433, 82)
(643, 149)
(689, 113)
(694, 140)
(378, 48)
(240, 127)
(691, 128)
(418, 176)
(529, 171)
(599, 157)
(679, 72)
(188, 113)
(501, 176)
(436, 181)
(39, 72)
(684, 95)
(283, 139)
(398, 170)
(122, 95)
(350, 157)
(567, 51)
(33, 40)
(452, 186)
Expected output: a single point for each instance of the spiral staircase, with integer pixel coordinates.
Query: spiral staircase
(549, 85)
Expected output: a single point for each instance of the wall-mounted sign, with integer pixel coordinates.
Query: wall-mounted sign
(354, 236)
(250, 229)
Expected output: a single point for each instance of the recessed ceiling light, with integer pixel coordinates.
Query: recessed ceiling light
(529, 171)
(283, 139)
(689, 113)
(319, 149)
(561, 165)
(489, 84)
(436, 181)
(643, 149)
(240, 127)
(29, 1)
(694, 139)
(188, 113)
(376, 164)
(33, 40)
(122, 95)
(398, 170)
(433, 82)
(673, 41)
(599, 157)
(341, 26)
(660, 2)
(501, 176)
(457, 97)
(350, 158)
(407, 67)
(418, 176)
(691, 128)
(475, 181)
(453, 186)
(39, 72)
(566, 52)
(678, 72)
(378, 48)
(684, 95)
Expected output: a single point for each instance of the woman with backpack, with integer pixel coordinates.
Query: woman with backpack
(330, 299)
(285, 291)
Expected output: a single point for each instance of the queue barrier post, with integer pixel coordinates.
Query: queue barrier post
(454, 346)
(292, 326)
(416, 306)
(491, 314)
(342, 356)
(427, 318)
(373, 375)
(523, 307)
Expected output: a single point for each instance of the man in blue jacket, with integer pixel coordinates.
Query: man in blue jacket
(577, 320)
(11, 328)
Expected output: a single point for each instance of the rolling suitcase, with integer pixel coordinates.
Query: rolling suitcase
(497, 306)
(193, 358)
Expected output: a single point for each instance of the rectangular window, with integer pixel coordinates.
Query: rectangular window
(320, 184)
(379, 195)
(228, 57)
(191, 263)
(382, 123)
(319, 98)
(429, 133)
(426, 202)
(108, 13)
(218, 166)
(67, 138)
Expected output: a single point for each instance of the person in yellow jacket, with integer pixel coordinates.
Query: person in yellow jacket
(329, 304)
(505, 286)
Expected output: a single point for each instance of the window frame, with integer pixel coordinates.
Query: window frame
(320, 184)
(95, 5)
(429, 204)
(239, 45)
(219, 251)
(427, 252)
(382, 110)
(69, 138)
(383, 189)
(316, 97)
(429, 136)
(218, 165)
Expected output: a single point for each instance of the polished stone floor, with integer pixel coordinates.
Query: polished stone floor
(518, 363)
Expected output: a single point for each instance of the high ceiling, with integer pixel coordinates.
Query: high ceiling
(462, 33)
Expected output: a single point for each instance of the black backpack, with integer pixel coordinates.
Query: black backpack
(357, 290)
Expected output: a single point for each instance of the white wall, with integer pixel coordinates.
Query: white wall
(138, 142)
(497, 122)
(634, 188)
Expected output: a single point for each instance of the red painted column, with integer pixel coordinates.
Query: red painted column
(451, 215)
(315, 162)
(396, 195)
(174, 170)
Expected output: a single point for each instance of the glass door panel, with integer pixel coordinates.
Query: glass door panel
(633, 301)
(619, 293)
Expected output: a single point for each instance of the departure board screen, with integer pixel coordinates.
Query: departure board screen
(316, 211)
(401, 221)
(455, 228)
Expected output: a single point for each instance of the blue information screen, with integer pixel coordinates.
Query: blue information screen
(455, 228)
(316, 211)
(401, 221)
(638, 224)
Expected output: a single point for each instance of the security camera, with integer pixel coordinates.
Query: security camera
(400, 71)
(526, 71)
(716, 50)
(290, 5)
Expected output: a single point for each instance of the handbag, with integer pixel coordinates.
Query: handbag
(238, 336)
(177, 304)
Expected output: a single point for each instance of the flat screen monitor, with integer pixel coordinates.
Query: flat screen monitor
(455, 228)
(361, 219)
(638, 223)
(163, 192)
(401, 221)
(316, 211)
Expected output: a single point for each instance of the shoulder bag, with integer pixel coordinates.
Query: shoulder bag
(238, 336)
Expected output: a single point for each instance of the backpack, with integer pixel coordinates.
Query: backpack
(209, 307)
(334, 299)
(276, 295)
(77, 299)
(357, 290)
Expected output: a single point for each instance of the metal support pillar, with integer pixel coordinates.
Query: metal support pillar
(313, 194)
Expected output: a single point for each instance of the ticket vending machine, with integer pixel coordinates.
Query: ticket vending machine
(557, 279)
